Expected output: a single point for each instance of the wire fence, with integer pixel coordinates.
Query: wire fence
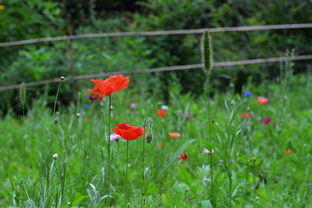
(163, 69)
(157, 33)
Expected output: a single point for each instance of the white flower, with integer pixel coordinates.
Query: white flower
(55, 156)
(208, 152)
(164, 107)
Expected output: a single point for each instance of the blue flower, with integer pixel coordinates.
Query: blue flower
(85, 106)
(247, 94)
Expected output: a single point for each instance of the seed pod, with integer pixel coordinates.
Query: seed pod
(148, 126)
(207, 56)
(149, 137)
(23, 93)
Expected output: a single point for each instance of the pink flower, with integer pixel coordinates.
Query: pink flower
(262, 100)
(266, 120)
(133, 106)
(208, 152)
(114, 137)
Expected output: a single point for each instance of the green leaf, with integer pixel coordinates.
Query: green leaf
(175, 156)
(206, 204)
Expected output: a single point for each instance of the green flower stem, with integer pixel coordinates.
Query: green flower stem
(127, 158)
(57, 92)
(143, 172)
(148, 122)
(211, 177)
(109, 149)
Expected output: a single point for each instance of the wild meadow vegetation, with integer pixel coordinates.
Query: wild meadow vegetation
(233, 150)
(236, 136)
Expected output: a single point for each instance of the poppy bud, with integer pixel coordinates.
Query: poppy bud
(149, 137)
(148, 123)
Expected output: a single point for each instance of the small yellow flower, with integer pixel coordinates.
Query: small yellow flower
(2, 7)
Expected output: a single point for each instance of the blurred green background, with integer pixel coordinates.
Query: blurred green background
(27, 19)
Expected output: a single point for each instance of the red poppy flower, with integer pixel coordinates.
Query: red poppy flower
(129, 132)
(184, 156)
(287, 152)
(110, 85)
(161, 112)
(262, 100)
(174, 134)
(246, 115)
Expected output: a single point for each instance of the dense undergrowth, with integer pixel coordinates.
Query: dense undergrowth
(254, 164)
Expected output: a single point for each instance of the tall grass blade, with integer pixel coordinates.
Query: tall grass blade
(175, 156)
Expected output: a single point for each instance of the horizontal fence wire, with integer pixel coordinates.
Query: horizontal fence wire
(157, 33)
(164, 69)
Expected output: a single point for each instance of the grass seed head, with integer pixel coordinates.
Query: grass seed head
(207, 53)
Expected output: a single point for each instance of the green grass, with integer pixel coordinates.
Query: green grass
(250, 152)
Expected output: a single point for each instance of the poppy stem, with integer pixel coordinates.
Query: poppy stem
(143, 187)
(109, 149)
(148, 123)
(127, 157)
